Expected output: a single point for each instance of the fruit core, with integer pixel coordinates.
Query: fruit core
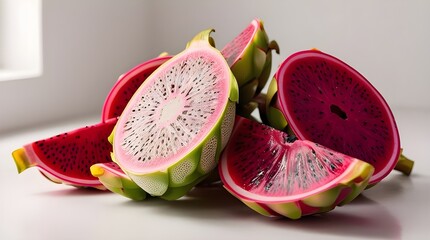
(170, 111)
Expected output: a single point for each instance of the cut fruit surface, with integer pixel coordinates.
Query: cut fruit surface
(178, 121)
(127, 85)
(67, 158)
(324, 100)
(275, 174)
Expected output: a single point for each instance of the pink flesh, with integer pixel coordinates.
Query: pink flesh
(69, 156)
(159, 163)
(255, 156)
(233, 51)
(316, 111)
(127, 85)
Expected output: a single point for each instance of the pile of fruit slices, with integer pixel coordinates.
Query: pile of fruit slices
(326, 133)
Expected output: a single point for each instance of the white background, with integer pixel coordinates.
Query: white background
(88, 43)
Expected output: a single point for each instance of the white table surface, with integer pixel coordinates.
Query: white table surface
(33, 208)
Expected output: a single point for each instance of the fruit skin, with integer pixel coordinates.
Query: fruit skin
(272, 115)
(127, 84)
(276, 115)
(115, 180)
(252, 67)
(161, 183)
(31, 155)
(340, 191)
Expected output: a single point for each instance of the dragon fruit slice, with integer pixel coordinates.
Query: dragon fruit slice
(66, 158)
(173, 129)
(277, 175)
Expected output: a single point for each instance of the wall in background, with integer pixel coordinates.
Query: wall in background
(87, 44)
(387, 41)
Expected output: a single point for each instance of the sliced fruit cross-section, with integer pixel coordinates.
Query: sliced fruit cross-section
(275, 174)
(171, 132)
(67, 158)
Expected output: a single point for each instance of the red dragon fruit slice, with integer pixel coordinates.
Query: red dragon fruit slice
(277, 175)
(66, 158)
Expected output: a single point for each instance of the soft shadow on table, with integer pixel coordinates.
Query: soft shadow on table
(363, 217)
(394, 185)
(73, 192)
(200, 202)
(367, 216)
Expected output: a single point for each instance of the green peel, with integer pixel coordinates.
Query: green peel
(323, 199)
(117, 183)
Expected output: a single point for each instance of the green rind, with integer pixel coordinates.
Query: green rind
(155, 183)
(246, 68)
(290, 210)
(120, 184)
(271, 92)
(274, 116)
(247, 109)
(357, 180)
(261, 40)
(247, 91)
(265, 74)
(234, 89)
(324, 199)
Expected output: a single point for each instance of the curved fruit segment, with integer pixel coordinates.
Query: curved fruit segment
(115, 180)
(275, 174)
(66, 158)
(326, 101)
(249, 56)
(127, 85)
(173, 129)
